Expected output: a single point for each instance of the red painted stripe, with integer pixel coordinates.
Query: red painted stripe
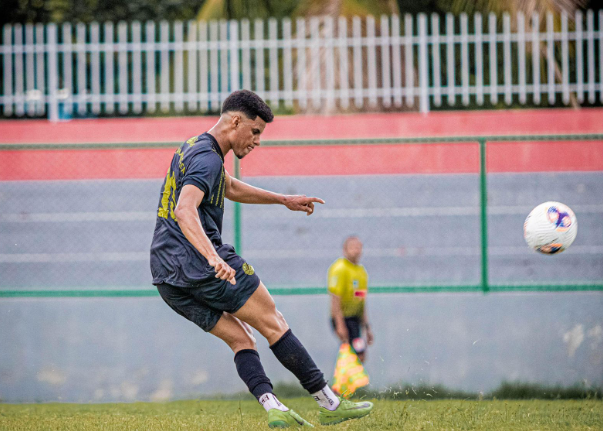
(353, 160)
(356, 160)
(362, 160)
(407, 124)
(83, 164)
(545, 156)
(86, 164)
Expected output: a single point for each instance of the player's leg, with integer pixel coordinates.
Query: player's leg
(356, 341)
(250, 301)
(260, 312)
(238, 336)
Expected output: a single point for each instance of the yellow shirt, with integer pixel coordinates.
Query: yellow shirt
(350, 283)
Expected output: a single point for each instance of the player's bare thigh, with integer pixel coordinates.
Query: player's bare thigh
(236, 334)
(260, 312)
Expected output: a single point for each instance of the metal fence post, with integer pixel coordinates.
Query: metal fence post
(53, 105)
(423, 65)
(484, 214)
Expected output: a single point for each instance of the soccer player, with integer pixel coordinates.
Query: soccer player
(348, 286)
(208, 283)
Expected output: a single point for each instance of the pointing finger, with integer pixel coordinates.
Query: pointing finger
(320, 201)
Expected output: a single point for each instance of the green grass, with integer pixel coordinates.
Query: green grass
(247, 415)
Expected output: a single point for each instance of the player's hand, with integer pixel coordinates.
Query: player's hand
(302, 203)
(223, 271)
(342, 333)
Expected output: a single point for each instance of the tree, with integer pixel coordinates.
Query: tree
(34, 11)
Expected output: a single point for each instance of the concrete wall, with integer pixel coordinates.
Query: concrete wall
(425, 230)
(126, 349)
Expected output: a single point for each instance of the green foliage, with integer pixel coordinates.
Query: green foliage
(239, 9)
(24, 11)
(506, 391)
(422, 6)
(526, 391)
(422, 391)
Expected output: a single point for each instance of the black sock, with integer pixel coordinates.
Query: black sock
(251, 371)
(294, 357)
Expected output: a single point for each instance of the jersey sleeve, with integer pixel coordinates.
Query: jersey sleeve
(202, 171)
(336, 280)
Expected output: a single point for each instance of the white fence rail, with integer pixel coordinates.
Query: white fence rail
(315, 64)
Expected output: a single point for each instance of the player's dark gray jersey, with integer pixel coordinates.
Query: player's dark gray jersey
(174, 260)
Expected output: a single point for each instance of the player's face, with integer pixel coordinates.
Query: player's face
(353, 250)
(247, 135)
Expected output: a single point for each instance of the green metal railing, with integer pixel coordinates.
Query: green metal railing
(484, 285)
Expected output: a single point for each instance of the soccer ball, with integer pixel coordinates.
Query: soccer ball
(550, 228)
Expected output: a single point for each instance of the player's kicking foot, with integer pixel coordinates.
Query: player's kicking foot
(346, 410)
(288, 419)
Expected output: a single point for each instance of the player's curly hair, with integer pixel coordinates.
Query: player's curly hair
(248, 103)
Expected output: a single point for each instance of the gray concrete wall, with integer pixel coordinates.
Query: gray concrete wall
(416, 229)
(126, 349)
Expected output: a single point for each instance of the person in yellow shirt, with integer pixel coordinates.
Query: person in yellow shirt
(348, 287)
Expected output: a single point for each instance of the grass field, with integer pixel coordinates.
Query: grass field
(248, 415)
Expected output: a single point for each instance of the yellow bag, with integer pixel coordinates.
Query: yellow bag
(349, 372)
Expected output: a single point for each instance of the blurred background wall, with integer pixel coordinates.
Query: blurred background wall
(96, 96)
(80, 221)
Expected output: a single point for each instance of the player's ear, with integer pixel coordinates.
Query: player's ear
(235, 120)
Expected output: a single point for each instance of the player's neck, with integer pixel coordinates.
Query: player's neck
(354, 262)
(220, 133)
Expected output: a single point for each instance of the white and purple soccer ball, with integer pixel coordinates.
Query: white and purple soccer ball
(550, 228)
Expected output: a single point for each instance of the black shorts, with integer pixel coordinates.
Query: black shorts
(354, 326)
(204, 304)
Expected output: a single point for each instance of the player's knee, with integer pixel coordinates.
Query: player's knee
(242, 343)
(274, 319)
(275, 327)
(237, 347)
(280, 320)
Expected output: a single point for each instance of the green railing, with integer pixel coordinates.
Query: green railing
(484, 285)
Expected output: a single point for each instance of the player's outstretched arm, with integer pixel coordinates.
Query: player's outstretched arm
(238, 191)
(190, 224)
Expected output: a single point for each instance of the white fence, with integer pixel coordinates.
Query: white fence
(315, 64)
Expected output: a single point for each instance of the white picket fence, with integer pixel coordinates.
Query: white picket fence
(315, 64)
